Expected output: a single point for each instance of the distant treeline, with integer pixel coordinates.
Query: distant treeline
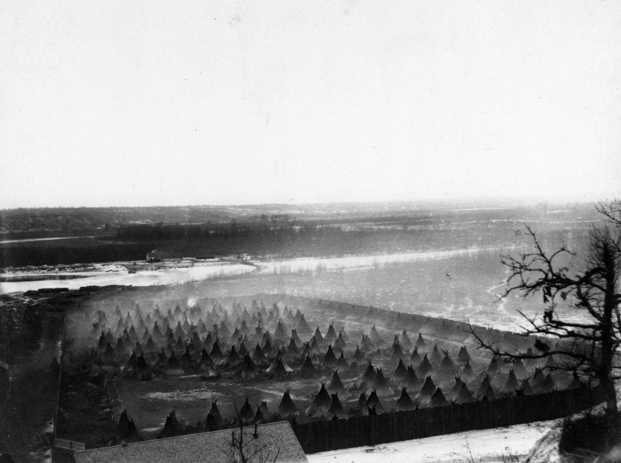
(64, 252)
(40, 222)
(224, 232)
(23, 223)
(151, 232)
(134, 242)
(297, 240)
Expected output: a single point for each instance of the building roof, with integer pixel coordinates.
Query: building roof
(274, 440)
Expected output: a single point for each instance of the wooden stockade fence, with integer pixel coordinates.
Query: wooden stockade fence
(358, 431)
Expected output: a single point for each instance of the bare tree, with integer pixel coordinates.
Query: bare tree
(586, 345)
(246, 446)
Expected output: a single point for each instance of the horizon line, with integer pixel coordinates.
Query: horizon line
(499, 201)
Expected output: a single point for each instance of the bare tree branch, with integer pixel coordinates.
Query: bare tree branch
(588, 344)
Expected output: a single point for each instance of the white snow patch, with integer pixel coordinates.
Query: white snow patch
(201, 270)
(489, 445)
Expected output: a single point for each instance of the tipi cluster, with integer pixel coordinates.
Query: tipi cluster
(355, 369)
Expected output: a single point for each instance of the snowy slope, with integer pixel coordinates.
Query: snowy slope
(488, 445)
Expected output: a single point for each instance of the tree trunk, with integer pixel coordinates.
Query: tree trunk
(606, 381)
(605, 374)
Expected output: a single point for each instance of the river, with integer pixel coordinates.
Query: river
(182, 271)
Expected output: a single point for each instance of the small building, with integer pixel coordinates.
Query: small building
(273, 442)
(154, 256)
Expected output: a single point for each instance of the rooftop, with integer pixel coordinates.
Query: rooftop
(276, 442)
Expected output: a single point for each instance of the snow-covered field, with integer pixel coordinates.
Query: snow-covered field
(502, 445)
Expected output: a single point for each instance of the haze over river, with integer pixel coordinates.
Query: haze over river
(462, 284)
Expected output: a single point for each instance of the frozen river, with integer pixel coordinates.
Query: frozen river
(461, 284)
(184, 271)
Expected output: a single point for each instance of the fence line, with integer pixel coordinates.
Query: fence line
(358, 431)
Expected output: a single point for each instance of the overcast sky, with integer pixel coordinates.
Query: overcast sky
(214, 102)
